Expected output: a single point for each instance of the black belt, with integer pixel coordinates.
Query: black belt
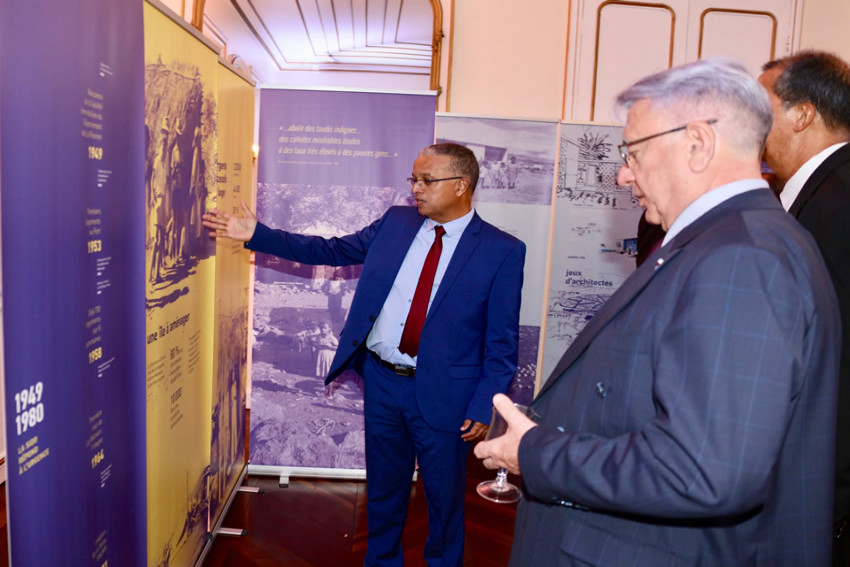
(400, 369)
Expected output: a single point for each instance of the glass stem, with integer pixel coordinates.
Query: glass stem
(501, 477)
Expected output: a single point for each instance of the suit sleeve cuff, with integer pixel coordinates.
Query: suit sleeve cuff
(261, 231)
(532, 458)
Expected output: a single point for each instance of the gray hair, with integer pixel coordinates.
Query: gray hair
(716, 84)
(463, 161)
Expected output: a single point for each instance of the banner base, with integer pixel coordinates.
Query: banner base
(284, 473)
(218, 529)
(231, 532)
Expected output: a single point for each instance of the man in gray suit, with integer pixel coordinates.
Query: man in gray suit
(807, 149)
(692, 422)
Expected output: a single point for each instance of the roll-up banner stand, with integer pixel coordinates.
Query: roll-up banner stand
(330, 163)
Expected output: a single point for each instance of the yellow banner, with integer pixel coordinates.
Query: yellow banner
(234, 180)
(181, 132)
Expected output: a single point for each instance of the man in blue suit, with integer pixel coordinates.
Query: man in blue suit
(423, 402)
(692, 422)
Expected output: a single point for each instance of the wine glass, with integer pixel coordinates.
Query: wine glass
(500, 490)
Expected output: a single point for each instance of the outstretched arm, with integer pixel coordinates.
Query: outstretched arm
(227, 225)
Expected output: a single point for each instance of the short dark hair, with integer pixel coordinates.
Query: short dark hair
(817, 77)
(463, 161)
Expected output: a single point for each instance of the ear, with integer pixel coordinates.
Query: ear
(802, 115)
(463, 185)
(701, 145)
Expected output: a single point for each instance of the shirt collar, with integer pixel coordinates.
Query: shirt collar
(795, 183)
(710, 200)
(454, 227)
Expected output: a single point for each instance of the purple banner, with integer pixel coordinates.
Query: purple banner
(330, 163)
(72, 148)
(341, 138)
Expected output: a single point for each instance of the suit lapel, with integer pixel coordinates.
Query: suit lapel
(390, 257)
(813, 183)
(408, 231)
(467, 244)
(630, 288)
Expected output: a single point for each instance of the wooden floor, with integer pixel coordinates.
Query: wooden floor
(322, 523)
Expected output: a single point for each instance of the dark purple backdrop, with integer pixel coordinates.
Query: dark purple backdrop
(72, 146)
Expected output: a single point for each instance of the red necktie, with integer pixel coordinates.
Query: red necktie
(409, 343)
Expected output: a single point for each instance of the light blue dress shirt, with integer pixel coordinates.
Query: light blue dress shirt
(386, 333)
(710, 200)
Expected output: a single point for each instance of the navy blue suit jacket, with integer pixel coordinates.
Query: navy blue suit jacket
(469, 344)
(692, 422)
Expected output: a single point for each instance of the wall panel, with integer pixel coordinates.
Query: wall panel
(749, 37)
(632, 40)
(508, 58)
(615, 42)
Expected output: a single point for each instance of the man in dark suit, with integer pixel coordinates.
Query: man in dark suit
(425, 402)
(807, 149)
(692, 421)
(649, 239)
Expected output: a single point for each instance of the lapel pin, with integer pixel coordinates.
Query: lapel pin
(601, 390)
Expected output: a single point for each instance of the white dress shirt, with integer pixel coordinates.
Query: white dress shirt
(795, 184)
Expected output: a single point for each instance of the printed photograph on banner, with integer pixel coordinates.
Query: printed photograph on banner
(180, 128)
(595, 237)
(516, 160)
(299, 311)
(515, 157)
(228, 418)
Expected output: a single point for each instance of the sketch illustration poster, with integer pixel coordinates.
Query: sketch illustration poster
(330, 163)
(180, 167)
(595, 237)
(516, 159)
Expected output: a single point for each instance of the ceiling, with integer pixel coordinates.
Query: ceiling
(274, 36)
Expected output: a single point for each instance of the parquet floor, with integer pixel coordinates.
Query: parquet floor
(322, 523)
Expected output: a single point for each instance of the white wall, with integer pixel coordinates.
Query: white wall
(542, 58)
(536, 59)
(507, 58)
(824, 26)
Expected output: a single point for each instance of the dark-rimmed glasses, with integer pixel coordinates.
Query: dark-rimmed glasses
(427, 182)
(624, 147)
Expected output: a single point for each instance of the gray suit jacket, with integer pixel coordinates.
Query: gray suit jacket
(692, 422)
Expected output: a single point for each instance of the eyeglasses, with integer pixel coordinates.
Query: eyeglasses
(624, 147)
(427, 182)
